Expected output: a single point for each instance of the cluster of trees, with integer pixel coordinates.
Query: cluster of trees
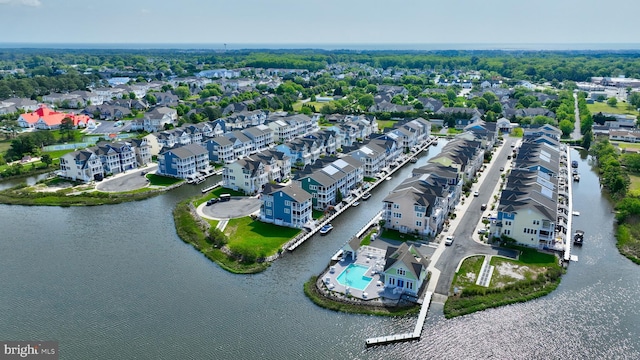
(32, 87)
(613, 175)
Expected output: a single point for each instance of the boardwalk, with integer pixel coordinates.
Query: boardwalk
(417, 331)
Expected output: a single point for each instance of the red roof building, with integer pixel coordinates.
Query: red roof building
(47, 119)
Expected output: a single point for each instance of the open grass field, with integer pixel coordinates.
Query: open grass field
(255, 238)
(318, 105)
(621, 108)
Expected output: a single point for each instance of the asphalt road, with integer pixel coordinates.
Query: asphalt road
(132, 180)
(464, 245)
(234, 208)
(576, 131)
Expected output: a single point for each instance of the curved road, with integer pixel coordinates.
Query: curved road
(464, 245)
(131, 180)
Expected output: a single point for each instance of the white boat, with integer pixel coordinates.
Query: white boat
(326, 229)
(355, 204)
(576, 213)
(389, 178)
(366, 196)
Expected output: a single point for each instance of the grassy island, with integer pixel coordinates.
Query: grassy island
(533, 275)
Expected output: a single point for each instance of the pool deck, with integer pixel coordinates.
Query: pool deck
(373, 259)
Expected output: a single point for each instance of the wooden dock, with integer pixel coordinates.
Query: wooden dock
(417, 331)
(216, 185)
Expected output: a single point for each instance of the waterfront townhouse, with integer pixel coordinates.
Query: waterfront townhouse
(81, 165)
(331, 182)
(261, 135)
(465, 155)
(326, 140)
(299, 152)
(286, 205)
(533, 207)
(486, 132)
(242, 145)
(453, 177)
(528, 209)
(405, 269)
(220, 150)
(142, 151)
(538, 157)
(183, 162)
(346, 134)
(419, 205)
(373, 157)
(420, 127)
(246, 175)
(277, 164)
(543, 130)
(116, 157)
(405, 137)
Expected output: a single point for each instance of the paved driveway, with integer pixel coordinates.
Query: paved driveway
(235, 208)
(132, 180)
(464, 245)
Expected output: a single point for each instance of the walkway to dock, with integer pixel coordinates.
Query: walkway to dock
(301, 238)
(568, 236)
(485, 272)
(417, 331)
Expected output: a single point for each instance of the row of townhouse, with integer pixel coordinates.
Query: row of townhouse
(422, 203)
(326, 180)
(233, 148)
(533, 206)
(105, 158)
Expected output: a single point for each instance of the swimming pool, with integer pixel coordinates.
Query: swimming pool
(353, 277)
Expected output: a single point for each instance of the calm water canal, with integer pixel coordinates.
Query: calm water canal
(116, 282)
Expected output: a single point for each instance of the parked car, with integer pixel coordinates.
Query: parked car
(501, 168)
(476, 194)
(448, 241)
(212, 201)
(483, 207)
(482, 231)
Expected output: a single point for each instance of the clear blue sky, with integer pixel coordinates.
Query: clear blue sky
(312, 21)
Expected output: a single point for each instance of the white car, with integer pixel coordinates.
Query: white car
(476, 194)
(449, 240)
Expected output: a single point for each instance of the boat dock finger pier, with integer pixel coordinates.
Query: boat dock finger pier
(417, 331)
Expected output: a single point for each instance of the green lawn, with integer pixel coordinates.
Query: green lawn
(158, 180)
(255, 239)
(621, 108)
(58, 153)
(383, 124)
(4, 146)
(398, 236)
(318, 105)
(634, 188)
(625, 145)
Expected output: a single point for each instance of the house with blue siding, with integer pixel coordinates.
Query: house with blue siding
(183, 162)
(286, 205)
(220, 150)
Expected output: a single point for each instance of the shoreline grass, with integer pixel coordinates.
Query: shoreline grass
(193, 233)
(542, 276)
(311, 291)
